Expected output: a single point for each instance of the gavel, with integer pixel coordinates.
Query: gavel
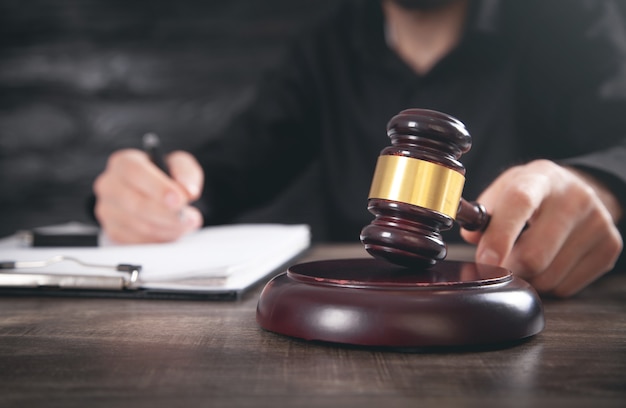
(416, 189)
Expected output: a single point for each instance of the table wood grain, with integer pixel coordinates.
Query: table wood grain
(74, 352)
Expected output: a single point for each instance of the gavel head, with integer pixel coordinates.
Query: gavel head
(416, 189)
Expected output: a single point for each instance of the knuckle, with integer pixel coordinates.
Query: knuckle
(102, 186)
(616, 239)
(543, 164)
(581, 199)
(119, 156)
(520, 196)
(124, 161)
(100, 212)
(613, 248)
(98, 184)
(116, 159)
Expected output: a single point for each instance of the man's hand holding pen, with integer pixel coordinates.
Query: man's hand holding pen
(137, 202)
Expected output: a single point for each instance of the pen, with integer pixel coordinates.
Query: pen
(152, 146)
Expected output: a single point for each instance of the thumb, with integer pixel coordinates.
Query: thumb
(187, 172)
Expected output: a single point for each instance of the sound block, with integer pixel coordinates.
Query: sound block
(370, 302)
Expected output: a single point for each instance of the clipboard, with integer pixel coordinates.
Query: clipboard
(219, 262)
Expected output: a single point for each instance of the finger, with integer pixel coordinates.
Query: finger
(134, 171)
(598, 261)
(549, 234)
(563, 228)
(147, 217)
(186, 171)
(594, 263)
(123, 228)
(127, 209)
(512, 205)
(131, 220)
(113, 192)
(590, 251)
(192, 218)
(546, 262)
(125, 234)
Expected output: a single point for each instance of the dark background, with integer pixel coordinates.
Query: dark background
(82, 78)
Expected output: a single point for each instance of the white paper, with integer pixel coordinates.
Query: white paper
(232, 256)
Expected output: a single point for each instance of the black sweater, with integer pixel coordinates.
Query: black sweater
(530, 79)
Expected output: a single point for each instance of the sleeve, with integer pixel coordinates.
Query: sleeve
(598, 113)
(580, 60)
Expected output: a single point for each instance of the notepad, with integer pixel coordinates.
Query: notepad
(214, 260)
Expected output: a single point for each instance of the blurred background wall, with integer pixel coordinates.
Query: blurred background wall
(82, 78)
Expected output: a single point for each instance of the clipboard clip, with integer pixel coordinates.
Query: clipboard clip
(127, 279)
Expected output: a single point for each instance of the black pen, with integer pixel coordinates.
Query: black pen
(152, 146)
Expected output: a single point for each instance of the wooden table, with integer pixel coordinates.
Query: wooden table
(156, 353)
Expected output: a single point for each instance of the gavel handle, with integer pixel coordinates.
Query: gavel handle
(472, 216)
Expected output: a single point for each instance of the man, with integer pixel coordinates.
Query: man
(535, 83)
